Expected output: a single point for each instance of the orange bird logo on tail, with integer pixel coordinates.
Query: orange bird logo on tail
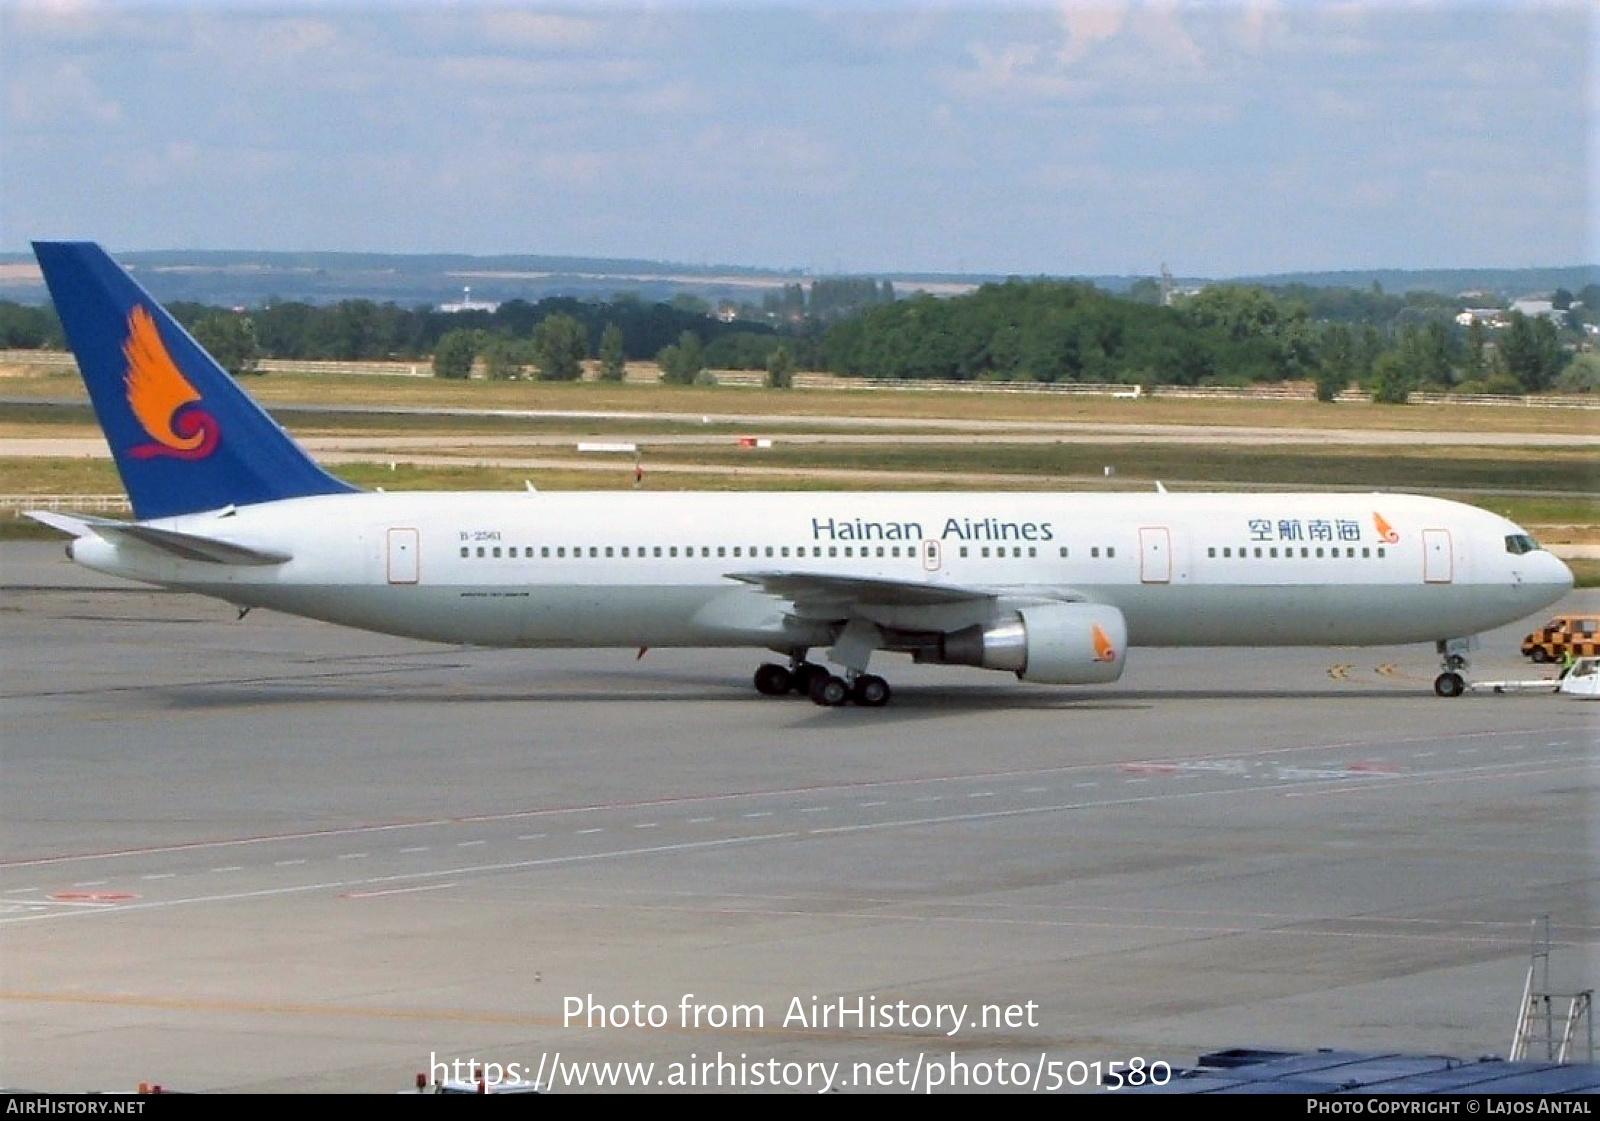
(1386, 532)
(1103, 650)
(161, 399)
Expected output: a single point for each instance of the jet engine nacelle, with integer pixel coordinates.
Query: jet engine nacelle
(1053, 644)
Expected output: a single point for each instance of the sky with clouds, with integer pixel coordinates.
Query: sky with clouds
(1224, 138)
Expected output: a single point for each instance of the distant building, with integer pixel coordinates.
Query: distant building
(1539, 309)
(467, 303)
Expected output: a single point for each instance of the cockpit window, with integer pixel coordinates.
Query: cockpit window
(1519, 543)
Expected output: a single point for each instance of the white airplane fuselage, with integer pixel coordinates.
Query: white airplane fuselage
(643, 568)
(1051, 587)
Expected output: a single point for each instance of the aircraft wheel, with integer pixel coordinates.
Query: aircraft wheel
(871, 691)
(1449, 685)
(802, 675)
(828, 690)
(773, 680)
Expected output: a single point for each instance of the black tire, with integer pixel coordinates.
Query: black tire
(804, 674)
(773, 680)
(1449, 685)
(871, 691)
(829, 691)
(1540, 654)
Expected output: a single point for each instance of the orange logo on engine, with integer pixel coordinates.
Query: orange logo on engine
(1103, 650)
(161, 399)
(1386, 532)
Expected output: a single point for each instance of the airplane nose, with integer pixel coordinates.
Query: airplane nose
(1552, 572)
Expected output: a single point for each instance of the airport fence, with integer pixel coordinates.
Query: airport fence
(76, 503)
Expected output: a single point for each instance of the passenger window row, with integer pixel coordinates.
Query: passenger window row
(737, 552)
(1306, 552)
(563, 552)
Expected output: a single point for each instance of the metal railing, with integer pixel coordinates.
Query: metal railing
(82, 503)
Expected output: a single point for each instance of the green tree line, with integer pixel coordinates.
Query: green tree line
(361, 330)
(1038, 330)
(1053, 331)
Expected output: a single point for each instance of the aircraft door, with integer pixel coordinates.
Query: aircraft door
(403, 565)
(932, 555)
(1155, 555)
(1437, 562)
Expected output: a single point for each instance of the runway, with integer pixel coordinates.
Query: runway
(267, 854)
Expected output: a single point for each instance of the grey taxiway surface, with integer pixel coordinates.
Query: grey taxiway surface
(273, 855)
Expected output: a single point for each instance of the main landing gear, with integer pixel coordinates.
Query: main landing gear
(827, 689)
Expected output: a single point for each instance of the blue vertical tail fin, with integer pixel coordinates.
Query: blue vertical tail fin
(184, 436)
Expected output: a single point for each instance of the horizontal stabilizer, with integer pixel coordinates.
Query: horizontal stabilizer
(71, 524)
(187, 546)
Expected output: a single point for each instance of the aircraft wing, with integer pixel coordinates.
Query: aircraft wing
(188, 546)
(826, 594)
(820, 590)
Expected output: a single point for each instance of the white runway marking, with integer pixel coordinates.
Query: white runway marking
(401, 878)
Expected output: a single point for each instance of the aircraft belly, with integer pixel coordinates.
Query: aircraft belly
(1310, 615)
(697, 615)
(553, 616)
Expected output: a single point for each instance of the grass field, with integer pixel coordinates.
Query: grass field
(907, 406)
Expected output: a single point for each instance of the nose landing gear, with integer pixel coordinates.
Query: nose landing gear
(1452, 659)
